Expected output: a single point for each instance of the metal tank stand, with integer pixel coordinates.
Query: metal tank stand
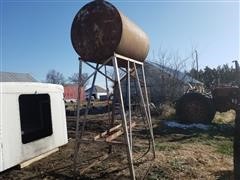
(130, 70)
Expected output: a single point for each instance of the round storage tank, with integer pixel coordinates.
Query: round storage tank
(99, 29)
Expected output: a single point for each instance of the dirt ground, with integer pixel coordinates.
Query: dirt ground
(180, 154)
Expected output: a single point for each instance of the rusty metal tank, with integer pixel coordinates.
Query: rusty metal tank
(99, 29)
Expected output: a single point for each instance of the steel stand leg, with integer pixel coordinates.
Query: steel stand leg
(129, 104)
(124, 120)
(108, 95)
(76, 148)
(80, 134)
(149, 112)
(145, 109)
(108, 108)
(88, 104)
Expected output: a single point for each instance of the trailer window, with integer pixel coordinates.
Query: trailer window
(35, 116)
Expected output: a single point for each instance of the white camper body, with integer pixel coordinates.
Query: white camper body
(32, 121)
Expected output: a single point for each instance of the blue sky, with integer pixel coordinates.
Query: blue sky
(35, 35)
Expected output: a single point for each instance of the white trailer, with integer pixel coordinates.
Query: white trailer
(32, 121)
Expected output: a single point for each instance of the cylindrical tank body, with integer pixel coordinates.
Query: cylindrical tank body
(99, 29)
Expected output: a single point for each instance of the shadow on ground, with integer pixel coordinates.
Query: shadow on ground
(180, 134)
(224, 175)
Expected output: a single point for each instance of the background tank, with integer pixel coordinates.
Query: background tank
(99, 29)
(197, 107)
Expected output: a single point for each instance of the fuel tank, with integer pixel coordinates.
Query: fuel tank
(99, 30)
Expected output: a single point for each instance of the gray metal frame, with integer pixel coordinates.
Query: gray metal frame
(126, 120)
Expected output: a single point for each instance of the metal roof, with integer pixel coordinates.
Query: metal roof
(175, 73)
(97, 89)
(16, 77)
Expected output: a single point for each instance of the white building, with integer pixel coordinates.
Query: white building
(97, 93)
(32, 121)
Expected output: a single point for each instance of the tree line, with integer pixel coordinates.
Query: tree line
(56, 77)
(222, 75)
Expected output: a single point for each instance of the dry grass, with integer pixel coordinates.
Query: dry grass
(164, 111)
(180, 154)
(190, 161)
(225, 117)
(202, 154)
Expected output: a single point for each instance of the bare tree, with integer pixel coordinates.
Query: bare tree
(172, 81)
(166, 77)
(55, 77)
(83, 79)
